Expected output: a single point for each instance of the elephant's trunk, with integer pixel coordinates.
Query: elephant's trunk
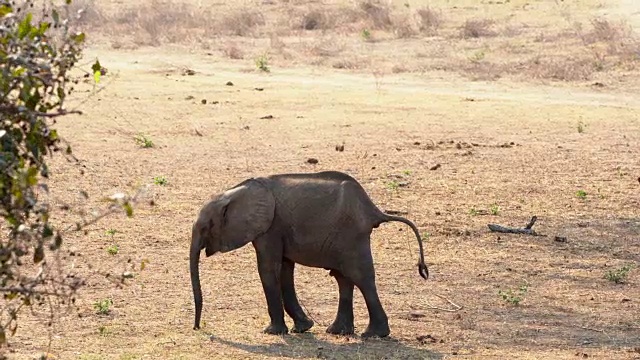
(194, 260)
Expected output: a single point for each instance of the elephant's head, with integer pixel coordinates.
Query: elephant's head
(227, 222)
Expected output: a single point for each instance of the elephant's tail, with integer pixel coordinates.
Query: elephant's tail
(422, 266)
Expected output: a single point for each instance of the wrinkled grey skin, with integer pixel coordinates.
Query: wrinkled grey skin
(322, 219)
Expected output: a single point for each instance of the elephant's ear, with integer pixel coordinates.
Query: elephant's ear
(247, 214)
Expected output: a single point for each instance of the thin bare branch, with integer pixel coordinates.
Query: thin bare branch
(456, 306)
(17, 110)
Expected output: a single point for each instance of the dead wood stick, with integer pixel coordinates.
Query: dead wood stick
(527, 230)
(457, 307)
(591, 329)
(531, 222)
(396, 212)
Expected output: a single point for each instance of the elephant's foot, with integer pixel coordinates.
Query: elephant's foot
(341, 328)
(302, 325)
(376, 330)
(274, 329)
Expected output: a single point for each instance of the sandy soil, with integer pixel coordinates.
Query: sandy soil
(519, 149)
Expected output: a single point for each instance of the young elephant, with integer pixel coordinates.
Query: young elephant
(322, 219)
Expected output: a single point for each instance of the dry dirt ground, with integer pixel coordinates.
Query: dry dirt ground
(507, 150)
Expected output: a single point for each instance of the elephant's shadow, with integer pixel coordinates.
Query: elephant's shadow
(307, 345)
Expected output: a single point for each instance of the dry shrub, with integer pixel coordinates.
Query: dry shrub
(617, 39)
(232, 51)
(404, 26)
(347, 18)
(604, 30)
(404, 30)
(475, 28)
(241, 22)
(316, 19)
(429, 20)
(399, 68)
(378, 14)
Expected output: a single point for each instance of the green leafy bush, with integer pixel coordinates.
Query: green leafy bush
(37, 53)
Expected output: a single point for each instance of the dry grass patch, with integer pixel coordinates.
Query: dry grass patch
(352, 63)
(326, 47)
(484, 70)
(339, 28)
(152, 23)
(568, 56)
(156, 22)
(551, 68)
(241, 22)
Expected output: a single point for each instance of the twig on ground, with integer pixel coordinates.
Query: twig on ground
(396, 212)
(456, 306)
(591, 329)
(309, 313)
(527, 230)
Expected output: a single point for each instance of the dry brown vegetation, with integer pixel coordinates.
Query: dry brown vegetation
(553, 133)
(554, 42)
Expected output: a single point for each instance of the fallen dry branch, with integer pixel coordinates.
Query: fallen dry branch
(396, 212)
(527, 230)
(590, 329)
(456, 306)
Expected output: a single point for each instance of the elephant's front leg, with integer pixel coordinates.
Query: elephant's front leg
(301, 321)
(269, 254)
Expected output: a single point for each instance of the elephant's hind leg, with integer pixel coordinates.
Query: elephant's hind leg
(301, 321)
(269, 268)
(343, 324)
(361, 271)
